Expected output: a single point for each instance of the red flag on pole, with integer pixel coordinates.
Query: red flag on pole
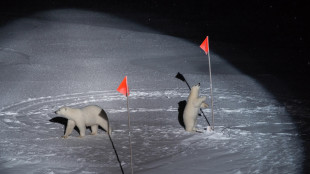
(205, 45)
(123, 87)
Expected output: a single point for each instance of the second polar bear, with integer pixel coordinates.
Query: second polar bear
(92, 116)
(193, 105)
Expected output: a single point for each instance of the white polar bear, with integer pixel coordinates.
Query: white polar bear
(86, 116)
(193, 105)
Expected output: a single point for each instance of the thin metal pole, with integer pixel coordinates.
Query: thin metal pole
(211, 92)
(129, 130)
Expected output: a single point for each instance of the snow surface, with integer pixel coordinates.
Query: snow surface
(76, 58)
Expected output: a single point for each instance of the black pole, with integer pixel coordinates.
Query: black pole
(205, 116)
(181, 77)
(119, 161)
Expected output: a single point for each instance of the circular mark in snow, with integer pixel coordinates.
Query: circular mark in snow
(253, 126)
(106, 99)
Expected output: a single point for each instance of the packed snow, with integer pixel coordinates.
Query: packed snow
(71, 57)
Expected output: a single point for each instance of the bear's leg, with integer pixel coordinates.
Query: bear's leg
(189, 126)
(69, 129)
(199, 101)
(188, 123)
(204, 105)
(189, 129)
(82, 129)
(194, 126)
(94, 129)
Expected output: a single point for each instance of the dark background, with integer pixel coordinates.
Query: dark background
(261, 38)
(277, 31)
(272, 34)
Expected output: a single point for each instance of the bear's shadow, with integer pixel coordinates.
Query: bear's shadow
(62, 121)
(181, 108)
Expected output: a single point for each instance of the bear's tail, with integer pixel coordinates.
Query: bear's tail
(103, 114)
(109, 129)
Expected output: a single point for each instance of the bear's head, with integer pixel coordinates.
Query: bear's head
(195, 91)
(62, 111)
(196, 87)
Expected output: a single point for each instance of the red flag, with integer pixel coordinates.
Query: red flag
(123, 87)
(205, 45)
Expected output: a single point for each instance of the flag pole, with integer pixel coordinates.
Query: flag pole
(123, 89)
(211, 91)
(129, 130)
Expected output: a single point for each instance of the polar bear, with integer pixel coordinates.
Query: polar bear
(193, 105)
(92, 116)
